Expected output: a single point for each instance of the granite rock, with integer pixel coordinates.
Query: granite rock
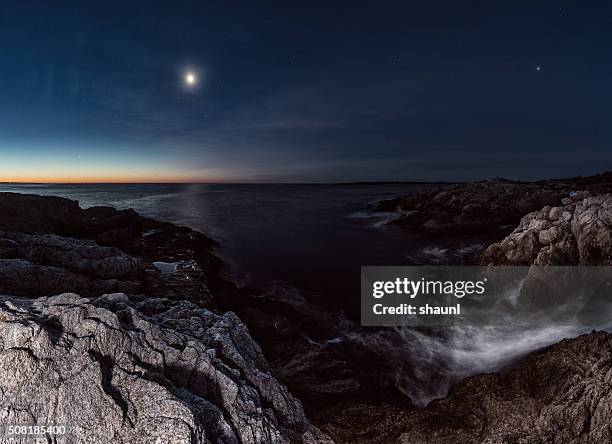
(578, 233)
(112, 374)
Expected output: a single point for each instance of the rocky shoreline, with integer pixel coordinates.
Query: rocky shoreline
(148, 354)
(487, 206)
(162, 346)
(49, 246)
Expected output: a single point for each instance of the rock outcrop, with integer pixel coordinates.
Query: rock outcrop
(28, 213)
(112, 374)
(578, 232)
(562, 394)
(44, 264)
(477, 207)
(471, 207)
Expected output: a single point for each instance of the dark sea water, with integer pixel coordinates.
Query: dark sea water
(311, 241)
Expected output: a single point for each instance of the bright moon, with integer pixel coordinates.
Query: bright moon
(190, 79)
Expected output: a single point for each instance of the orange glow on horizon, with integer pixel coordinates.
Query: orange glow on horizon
(108, 179)
(117, 170)
(62, 180)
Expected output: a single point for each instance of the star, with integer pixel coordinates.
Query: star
(538, 68)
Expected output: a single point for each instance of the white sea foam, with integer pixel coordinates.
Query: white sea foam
(424, 365)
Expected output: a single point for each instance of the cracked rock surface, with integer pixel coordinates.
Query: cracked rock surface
(112, 374)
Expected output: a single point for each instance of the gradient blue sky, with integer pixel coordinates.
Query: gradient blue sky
(309, 91)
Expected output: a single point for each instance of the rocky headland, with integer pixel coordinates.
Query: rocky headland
(557, 222)
(484, 207)
(467, 208)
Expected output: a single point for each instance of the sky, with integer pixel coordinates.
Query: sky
(303, 91)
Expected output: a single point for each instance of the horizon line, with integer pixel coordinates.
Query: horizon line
(356, 182)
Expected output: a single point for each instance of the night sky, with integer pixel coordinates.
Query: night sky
(303, 91)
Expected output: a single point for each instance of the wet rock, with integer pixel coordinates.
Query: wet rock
(182, 374)
(293, 336)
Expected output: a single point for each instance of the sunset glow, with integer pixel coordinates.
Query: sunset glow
(82, 171)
